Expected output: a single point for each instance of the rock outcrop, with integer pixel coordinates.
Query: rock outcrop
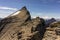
(52, 32)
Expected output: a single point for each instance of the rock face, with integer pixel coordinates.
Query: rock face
(20, 26)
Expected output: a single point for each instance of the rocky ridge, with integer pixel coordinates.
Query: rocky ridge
(20, 26)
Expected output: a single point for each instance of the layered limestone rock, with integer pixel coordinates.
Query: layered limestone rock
(52, 32)
(12, 23)
(20, 26)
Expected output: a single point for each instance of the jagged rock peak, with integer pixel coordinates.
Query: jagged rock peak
(22, 13)
(24, 8)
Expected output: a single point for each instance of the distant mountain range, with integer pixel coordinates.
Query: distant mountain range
(0, 18)
(49, 21)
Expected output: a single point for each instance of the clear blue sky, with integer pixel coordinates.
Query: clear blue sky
(42, 8)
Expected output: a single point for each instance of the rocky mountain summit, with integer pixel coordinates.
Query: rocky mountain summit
(20, 26)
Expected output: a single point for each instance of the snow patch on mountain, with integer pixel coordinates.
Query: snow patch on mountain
(16, 13)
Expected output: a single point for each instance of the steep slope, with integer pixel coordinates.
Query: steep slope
(20, 26)
(13, 21)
